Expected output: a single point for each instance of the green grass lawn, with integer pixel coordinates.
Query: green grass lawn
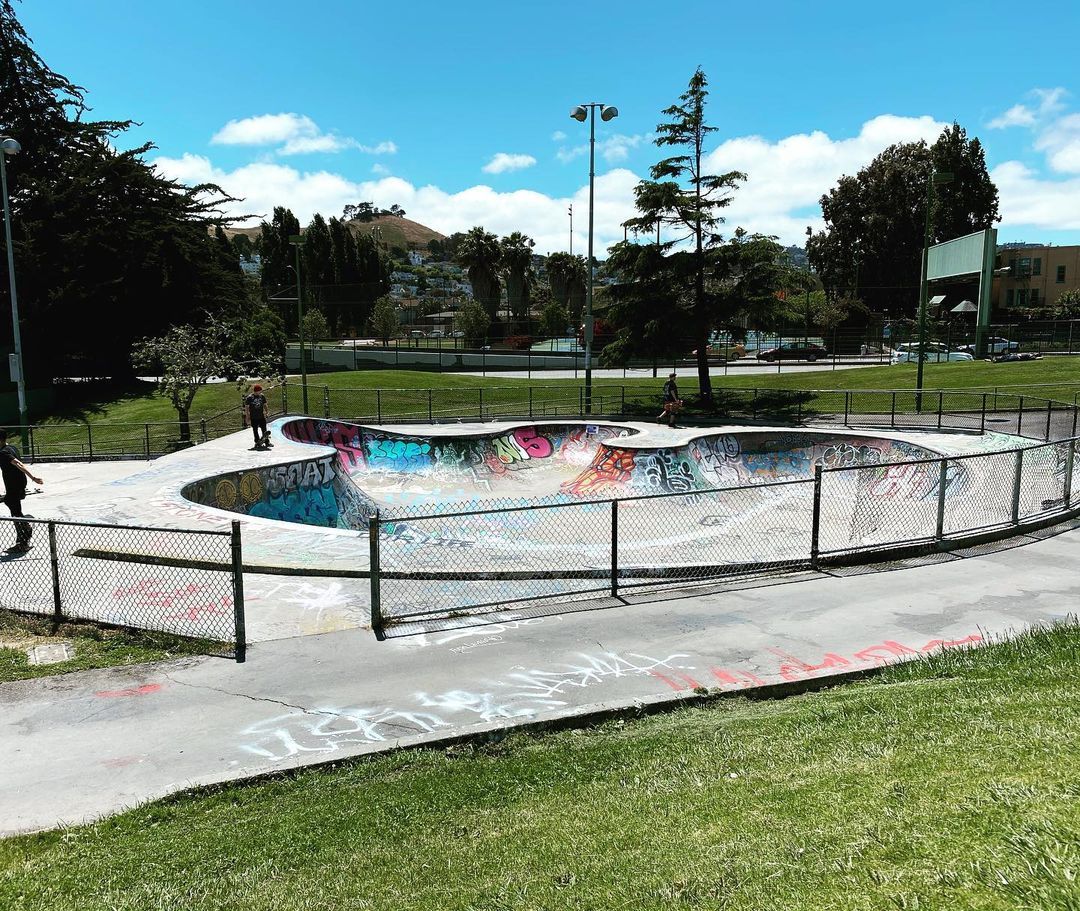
(947, 783)
(140, 403)
(94, 646)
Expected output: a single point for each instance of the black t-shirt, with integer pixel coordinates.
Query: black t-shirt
(671, 391)
(256, 402)
(14, 480)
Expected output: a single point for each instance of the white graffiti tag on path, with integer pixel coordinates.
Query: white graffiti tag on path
(521, 694)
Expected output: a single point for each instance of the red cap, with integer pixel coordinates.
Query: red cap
(256, 388)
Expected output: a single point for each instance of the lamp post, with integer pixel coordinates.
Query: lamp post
(581, 113)
(570, 212)
(8, 147)
(935, 179)
(809, 234)
(297, 241)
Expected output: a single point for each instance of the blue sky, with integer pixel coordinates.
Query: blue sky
(316, 105)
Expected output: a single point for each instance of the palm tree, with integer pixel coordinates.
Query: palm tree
(517, 260)
(480, 254)
(567, 274)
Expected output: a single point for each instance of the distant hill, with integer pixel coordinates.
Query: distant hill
(396, 232)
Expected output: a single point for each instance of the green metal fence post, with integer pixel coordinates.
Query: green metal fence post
(982, 420)
(530, 402)
(581, 401)
(1018, 475)
(614, 548)
(54, 566)
(815, 528)
(940, 401)
(147, 441)
(1020, 418)
(239, 622)
(622, 407)
(429, 417)
(373, 561)
(90, 443)
(892, 412)
(202, 429)
(326, 402)
(1049, 417)
(847, 407)
(481, 391)
(943, 480)
(284, 398)
(378, 406)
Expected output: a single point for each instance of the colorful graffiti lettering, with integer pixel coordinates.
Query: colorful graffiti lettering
(396, 454)
(844, 454)
(345, 439)
(609, 468)
(664, 472)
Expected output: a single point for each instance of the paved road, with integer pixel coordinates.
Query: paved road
(78, 746)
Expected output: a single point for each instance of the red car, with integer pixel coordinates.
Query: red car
(793, 351)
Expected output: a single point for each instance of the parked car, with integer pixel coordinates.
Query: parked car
(793, 351)
(417, 333)
(994, 345)
(435, 333)
(935, 353)
(457, 333)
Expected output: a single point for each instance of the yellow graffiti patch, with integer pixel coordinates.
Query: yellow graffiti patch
(251, 488)
(225, 494)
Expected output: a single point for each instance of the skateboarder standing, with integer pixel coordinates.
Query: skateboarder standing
(255, 403)
(15, 473)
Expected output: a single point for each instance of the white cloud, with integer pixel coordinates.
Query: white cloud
(789, 176)
(502, 162)
(1029, 200)
(263, 185)
(613, 149)
(558, 136)
(266, 129)
(296, 134)
(1019, 115)
(380, 169)
(1060, 140)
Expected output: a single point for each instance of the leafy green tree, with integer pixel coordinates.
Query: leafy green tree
(517, 261)
(107, 249)
(481, 255)
(872, 244)
(566, 275)
(554, 317)
(185, 358)
(316, 328)
(278, 260)
(384, 320)
(1067, 306)
(474, 321)
(687, 200)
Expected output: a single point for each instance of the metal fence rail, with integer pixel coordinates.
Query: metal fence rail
(182, 581)
(425, 563)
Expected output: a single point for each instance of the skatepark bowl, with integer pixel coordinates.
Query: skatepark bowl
(462, 518)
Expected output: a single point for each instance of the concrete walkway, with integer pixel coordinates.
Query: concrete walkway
(76, 747)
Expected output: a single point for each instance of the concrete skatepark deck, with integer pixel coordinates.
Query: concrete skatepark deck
(318, 686)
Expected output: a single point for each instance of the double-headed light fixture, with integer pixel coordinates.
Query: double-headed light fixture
(581, 113)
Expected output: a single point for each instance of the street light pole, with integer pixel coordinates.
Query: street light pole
(809, 234)
(570, 210)
(935, 178)
(9, 146)
(580, 113)
(297, 241)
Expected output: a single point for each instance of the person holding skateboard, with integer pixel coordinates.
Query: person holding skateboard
(672, 402)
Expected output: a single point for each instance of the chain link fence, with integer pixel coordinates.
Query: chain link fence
(186, 582)
(430, 563)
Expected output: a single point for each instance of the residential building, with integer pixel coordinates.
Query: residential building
(1036, 276)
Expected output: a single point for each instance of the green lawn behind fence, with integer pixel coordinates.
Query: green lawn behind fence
(947, 783)
(140, 403)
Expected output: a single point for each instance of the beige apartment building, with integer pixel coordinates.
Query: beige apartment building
(1036, 276)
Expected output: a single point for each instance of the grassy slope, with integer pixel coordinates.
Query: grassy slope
(101, 404)
(950, 783)
(94, 646)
